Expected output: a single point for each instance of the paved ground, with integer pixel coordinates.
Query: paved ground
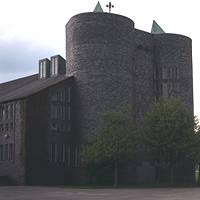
(58, 193)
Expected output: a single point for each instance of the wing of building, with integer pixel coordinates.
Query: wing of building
(44, 118)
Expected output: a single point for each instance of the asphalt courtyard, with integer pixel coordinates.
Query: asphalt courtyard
(61, 193)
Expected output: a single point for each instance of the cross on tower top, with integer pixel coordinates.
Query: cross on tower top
(110, 6)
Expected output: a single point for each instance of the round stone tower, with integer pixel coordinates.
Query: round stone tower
(99, 54)
(173, 56)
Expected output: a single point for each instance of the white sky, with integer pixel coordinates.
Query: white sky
(40, 26)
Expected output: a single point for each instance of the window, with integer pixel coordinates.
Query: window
(5, 112)
(68, 156)
(53, 96)
(165, 73)
(54, 112)
(63, 112)
(6, 127)
(1, 127)
(164, 90)
(53, 153)
(6, 152)
(11, 126)
(170, 89)
(59, 111)
(1, 112)
(176, 73)
(76, 156)
(69, 127)
(69, 95)
(62, 95)
(62, 153)
(58, 95)
(69, 113)
(1, 152)
(54, 126)
(62, 126)
(11, 111)
(63, 150)
(10, 156)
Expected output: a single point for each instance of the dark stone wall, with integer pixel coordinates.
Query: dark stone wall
(100, 56)
(36, 131)
(14, 169)
(175, 51)
(143, 77)
(61, 172)
(39, 137)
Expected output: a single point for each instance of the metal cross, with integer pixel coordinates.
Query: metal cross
(110, 6)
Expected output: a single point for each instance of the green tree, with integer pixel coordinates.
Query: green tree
(171, 135)
(115, 142)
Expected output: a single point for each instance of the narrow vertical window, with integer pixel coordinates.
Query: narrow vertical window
(69, 113)
(68, 156)
(6, 152)
(10, 152)
(69, 127)
(1, 112)
(4, 113)
(50, 153)
(63, 112)
(11, 111)
(76, 156)
(69, 94)
(1, 152)
(56, 152)
(63, 152)
(176, 73)
(53, 152)
(62, 94)
(11, 126)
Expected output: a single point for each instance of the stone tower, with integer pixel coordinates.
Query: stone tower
(115, 64)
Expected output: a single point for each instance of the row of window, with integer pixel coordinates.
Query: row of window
(6, 152)
(167, 89)
(61, 153)
(58, 111)
(170, 89)
(167, 73)
(6, 127)
(6, 112)
(60, 126)
(61, 95)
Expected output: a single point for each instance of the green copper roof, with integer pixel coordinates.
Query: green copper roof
(156, 29)
(98, 8)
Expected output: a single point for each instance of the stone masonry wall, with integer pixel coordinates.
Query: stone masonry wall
(15, 169)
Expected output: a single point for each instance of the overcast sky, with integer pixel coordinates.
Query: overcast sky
(34, 29)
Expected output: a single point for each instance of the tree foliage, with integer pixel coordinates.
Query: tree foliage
(115, 142)
(171, 134)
